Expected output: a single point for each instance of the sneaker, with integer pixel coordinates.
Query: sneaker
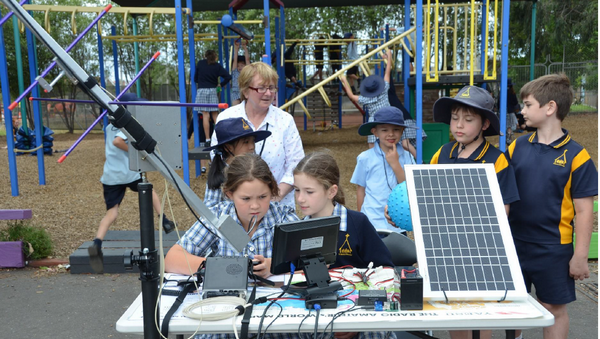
(168, 225)
(203, 170)
(96, 258)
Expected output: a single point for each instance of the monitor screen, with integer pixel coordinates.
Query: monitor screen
(303, 239)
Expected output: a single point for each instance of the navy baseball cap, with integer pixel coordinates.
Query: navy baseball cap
(474, 97)
(231, 129)
(372, 86)
(347, 35)
(386, 115)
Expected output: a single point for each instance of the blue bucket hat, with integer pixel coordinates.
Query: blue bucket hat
(128, 97)
(386, 115)
(231, 129)
(474, 97)
(372, 86)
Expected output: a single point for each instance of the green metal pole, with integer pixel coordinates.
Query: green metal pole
(532, 48)
(19, 58)
(137, 57)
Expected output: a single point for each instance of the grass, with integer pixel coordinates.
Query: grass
(582, 108)
(37, 237)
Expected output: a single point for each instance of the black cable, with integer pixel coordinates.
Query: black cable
(262, 318)
(303, 319)
(317, 320)
(278, 315)
(185, 200)
(337, 315)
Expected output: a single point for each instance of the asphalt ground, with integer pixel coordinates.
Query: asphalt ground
(36, 303)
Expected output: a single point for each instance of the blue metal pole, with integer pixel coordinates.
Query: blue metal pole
(419, 80)
(33, 73)
(113, 31)
(220, 43)
(279, 40)
(10, 142)
(181, 70)
(101, 64)
(226, 94)
(406, 58)
(192, 53)
(267, 31)
(504, 73)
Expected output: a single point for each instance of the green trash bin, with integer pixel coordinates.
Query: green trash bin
(438, 134)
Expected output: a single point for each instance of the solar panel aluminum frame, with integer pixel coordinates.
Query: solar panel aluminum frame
(519, 292)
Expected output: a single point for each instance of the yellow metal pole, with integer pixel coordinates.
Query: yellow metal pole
(344, 69)
(472, 71)
(324, 95)
(455, 39)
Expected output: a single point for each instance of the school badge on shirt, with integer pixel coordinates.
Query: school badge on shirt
(562, 160)
(345, 249)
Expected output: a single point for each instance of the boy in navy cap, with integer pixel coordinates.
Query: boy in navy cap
(373, 93)
(471, 118)
(557, 180)
(380, 169)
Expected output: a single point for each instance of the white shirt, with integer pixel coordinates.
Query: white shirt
(282, 150)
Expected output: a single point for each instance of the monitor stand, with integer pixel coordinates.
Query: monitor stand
(320, 289)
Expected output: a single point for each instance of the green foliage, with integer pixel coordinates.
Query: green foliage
(566, 29)
(36, 236)
(582, 108)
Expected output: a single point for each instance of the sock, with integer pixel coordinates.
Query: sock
(208, 141)
(520, 336)
(98, 242)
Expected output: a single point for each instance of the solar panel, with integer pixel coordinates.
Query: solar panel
(465, 250)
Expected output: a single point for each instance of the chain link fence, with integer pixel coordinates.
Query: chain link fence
(583, 76)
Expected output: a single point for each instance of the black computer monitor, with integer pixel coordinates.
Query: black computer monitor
(310, 245)
(304, 239)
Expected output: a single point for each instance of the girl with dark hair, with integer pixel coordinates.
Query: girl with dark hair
(235, 138)
(249, 185)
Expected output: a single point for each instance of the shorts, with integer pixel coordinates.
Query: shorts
(207, 96)
(336, 67)
(114, 194)
(319, 66)
(353, 70)
(546, 266)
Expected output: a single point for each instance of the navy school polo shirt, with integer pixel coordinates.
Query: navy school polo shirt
(486, 153)
(549, 177)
